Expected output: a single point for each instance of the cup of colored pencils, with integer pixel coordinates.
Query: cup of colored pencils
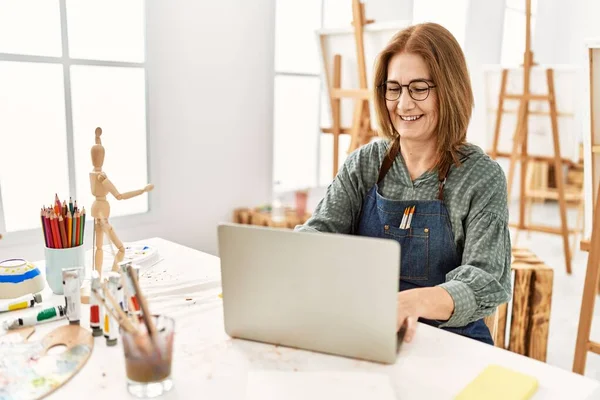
(63, 225)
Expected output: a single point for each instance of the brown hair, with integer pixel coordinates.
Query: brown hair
(448, 68)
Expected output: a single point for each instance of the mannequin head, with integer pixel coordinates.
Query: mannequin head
(98, 151)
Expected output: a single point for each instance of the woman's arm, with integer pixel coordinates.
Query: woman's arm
(339, 210)
(474, 289)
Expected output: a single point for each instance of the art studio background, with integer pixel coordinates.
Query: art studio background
(222, 105)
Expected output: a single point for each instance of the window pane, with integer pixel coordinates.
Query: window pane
(296, 47)
(296, 131)
(110, 30)
(450, 14)
(33, 145)
(113, 99)
(30, 27)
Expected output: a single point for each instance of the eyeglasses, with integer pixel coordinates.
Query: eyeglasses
(418, 89)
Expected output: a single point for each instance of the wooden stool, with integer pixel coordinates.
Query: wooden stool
(532, 297)
(256, 216)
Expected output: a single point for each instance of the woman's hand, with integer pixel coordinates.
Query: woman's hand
(431, 303)
(409, 309)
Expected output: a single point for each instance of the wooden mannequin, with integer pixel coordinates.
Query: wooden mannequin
(101, 186)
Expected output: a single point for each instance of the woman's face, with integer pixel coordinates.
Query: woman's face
(413, 119)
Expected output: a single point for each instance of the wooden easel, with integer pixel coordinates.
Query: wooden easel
(583, 343)
(360, 131)
(519, 150)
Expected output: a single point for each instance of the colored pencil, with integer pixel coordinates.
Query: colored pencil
(63, 224)
(48, 230)
(43, 221)
(78, 219)
(69, 224)
(55, 233)
(82, 224)
(73, 230)
(56, 204)
(63, 231)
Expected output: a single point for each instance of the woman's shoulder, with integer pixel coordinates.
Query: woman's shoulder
(369, 155)
(474, 159)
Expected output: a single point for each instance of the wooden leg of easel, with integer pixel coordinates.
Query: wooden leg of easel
(499, 112)
(530, 182)
(558, 169)
(355, 130)
(336, 112)
(524, 168)
(517, 143)
(589, 295)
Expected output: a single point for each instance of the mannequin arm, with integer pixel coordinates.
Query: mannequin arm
(121, 196)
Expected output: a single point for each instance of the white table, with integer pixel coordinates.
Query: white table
(209, 365)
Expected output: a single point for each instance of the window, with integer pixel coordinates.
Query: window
(303, 155)
(66, 67)
(513, 41)
(297, 92)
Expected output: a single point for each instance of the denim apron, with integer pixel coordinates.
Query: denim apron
(428, 251)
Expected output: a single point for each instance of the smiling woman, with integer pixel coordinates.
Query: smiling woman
(424, 186)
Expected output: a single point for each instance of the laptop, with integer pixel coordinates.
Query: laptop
(329, 293)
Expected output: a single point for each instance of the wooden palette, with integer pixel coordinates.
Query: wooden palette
(29, 372)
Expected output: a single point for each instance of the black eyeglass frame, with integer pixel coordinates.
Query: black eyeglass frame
(407, 86)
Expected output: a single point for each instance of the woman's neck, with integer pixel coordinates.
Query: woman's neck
(418, 156)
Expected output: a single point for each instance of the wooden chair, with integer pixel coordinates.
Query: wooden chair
(583, 343)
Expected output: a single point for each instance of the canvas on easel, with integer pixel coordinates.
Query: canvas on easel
(519, 152)
(347, 59)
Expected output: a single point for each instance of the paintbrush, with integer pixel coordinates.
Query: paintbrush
(146, 317)
(126, 324)
(123, 319)
(143, 304)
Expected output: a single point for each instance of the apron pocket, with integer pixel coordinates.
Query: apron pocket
(414, 244)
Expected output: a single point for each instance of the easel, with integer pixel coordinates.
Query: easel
(519, 149)
(583, 343)
(360, 131)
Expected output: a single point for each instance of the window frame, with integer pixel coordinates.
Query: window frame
(275, 181)
(28, 236)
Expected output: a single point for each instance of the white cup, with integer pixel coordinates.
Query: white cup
(57, 260)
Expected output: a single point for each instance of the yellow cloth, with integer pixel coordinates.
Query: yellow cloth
(499, 383)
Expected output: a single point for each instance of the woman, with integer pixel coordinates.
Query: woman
(443, 199)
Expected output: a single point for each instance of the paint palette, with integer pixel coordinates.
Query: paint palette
(27, 371)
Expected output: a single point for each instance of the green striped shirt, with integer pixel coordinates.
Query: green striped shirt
(475, 196)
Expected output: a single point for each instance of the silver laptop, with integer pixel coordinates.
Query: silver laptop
(329, 293)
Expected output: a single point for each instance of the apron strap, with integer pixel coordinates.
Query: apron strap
(442, 175)
(388, 160)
